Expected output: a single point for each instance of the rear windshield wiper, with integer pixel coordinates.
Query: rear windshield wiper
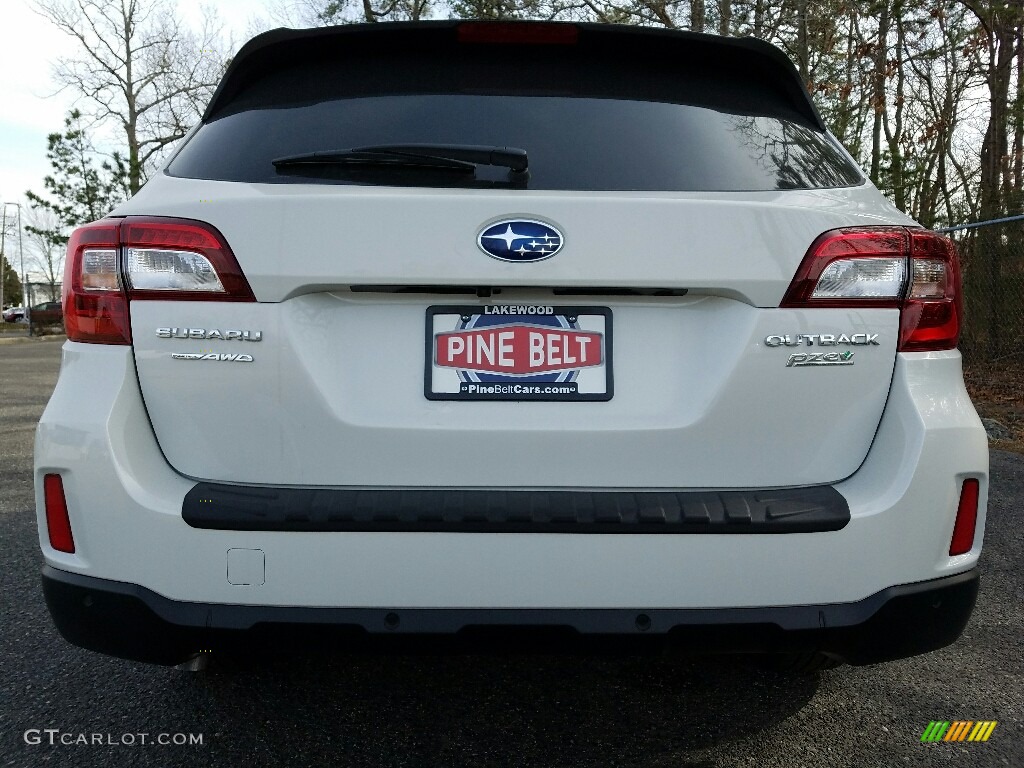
(455, 157)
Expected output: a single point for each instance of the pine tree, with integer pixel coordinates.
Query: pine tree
(80, 189)
(12, 284)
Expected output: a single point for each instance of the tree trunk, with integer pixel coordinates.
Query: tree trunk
(1018, 125)
(895, 139)
(759, 10)
(878, 92)
(803, 53)
(697, 19)
(131, 123)
(993, 161)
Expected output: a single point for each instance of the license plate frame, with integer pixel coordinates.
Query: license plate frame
(582, 330)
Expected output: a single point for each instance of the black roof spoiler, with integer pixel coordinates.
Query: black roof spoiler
(270, 50)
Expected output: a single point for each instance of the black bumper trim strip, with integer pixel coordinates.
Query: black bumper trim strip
(791, 510)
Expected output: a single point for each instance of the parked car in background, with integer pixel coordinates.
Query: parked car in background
(47, 313)
(13, 314)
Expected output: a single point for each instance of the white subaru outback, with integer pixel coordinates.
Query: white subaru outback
(437, 326)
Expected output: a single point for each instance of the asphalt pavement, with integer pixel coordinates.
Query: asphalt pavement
(62, 706)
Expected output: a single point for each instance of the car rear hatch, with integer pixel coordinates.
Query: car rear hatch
(374, 286)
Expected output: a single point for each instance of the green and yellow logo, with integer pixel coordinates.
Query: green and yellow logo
(958, 730)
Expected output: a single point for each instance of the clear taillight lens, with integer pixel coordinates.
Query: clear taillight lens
(99, 270)
(156, 269)
(115, 261)
(929, 279)
(912, 270)
(862, 279)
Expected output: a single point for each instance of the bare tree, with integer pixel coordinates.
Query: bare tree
(45, 252)
(140, 69)
(322, 13)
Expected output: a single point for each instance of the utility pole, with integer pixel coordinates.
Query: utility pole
(21, 256)
(3, 257)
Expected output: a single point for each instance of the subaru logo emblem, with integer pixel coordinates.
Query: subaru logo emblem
(522, 240)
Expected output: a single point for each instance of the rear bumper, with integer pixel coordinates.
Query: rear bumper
(174, 587)
(133, 622)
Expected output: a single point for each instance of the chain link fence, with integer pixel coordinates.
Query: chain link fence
(992, 262)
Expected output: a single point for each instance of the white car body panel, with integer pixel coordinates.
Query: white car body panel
(334, 395)
(127, 520)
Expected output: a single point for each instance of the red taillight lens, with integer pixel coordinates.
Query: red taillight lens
(966, 519)
(95, 305)
(522, 33)
(931, 312)
(58, 524)
(114, 261)
(912, 270)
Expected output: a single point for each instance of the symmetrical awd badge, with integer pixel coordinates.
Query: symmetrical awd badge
(520, 240)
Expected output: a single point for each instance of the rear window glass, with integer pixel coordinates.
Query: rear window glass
(586, 124)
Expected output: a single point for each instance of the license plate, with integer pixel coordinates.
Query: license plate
(518, 352)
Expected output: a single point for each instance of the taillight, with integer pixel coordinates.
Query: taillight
(58, 524)
(95, 306)
(966, 519)
(931, 312)
(179, 259)
(912, 270)
(115, 261)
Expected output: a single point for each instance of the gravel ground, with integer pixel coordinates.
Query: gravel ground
(489, 710)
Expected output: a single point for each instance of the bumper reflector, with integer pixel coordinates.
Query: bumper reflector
(57, 521)
(966, 519)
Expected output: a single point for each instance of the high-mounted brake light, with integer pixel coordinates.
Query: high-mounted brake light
(913, 270)
(535, 33)
(115, 261)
